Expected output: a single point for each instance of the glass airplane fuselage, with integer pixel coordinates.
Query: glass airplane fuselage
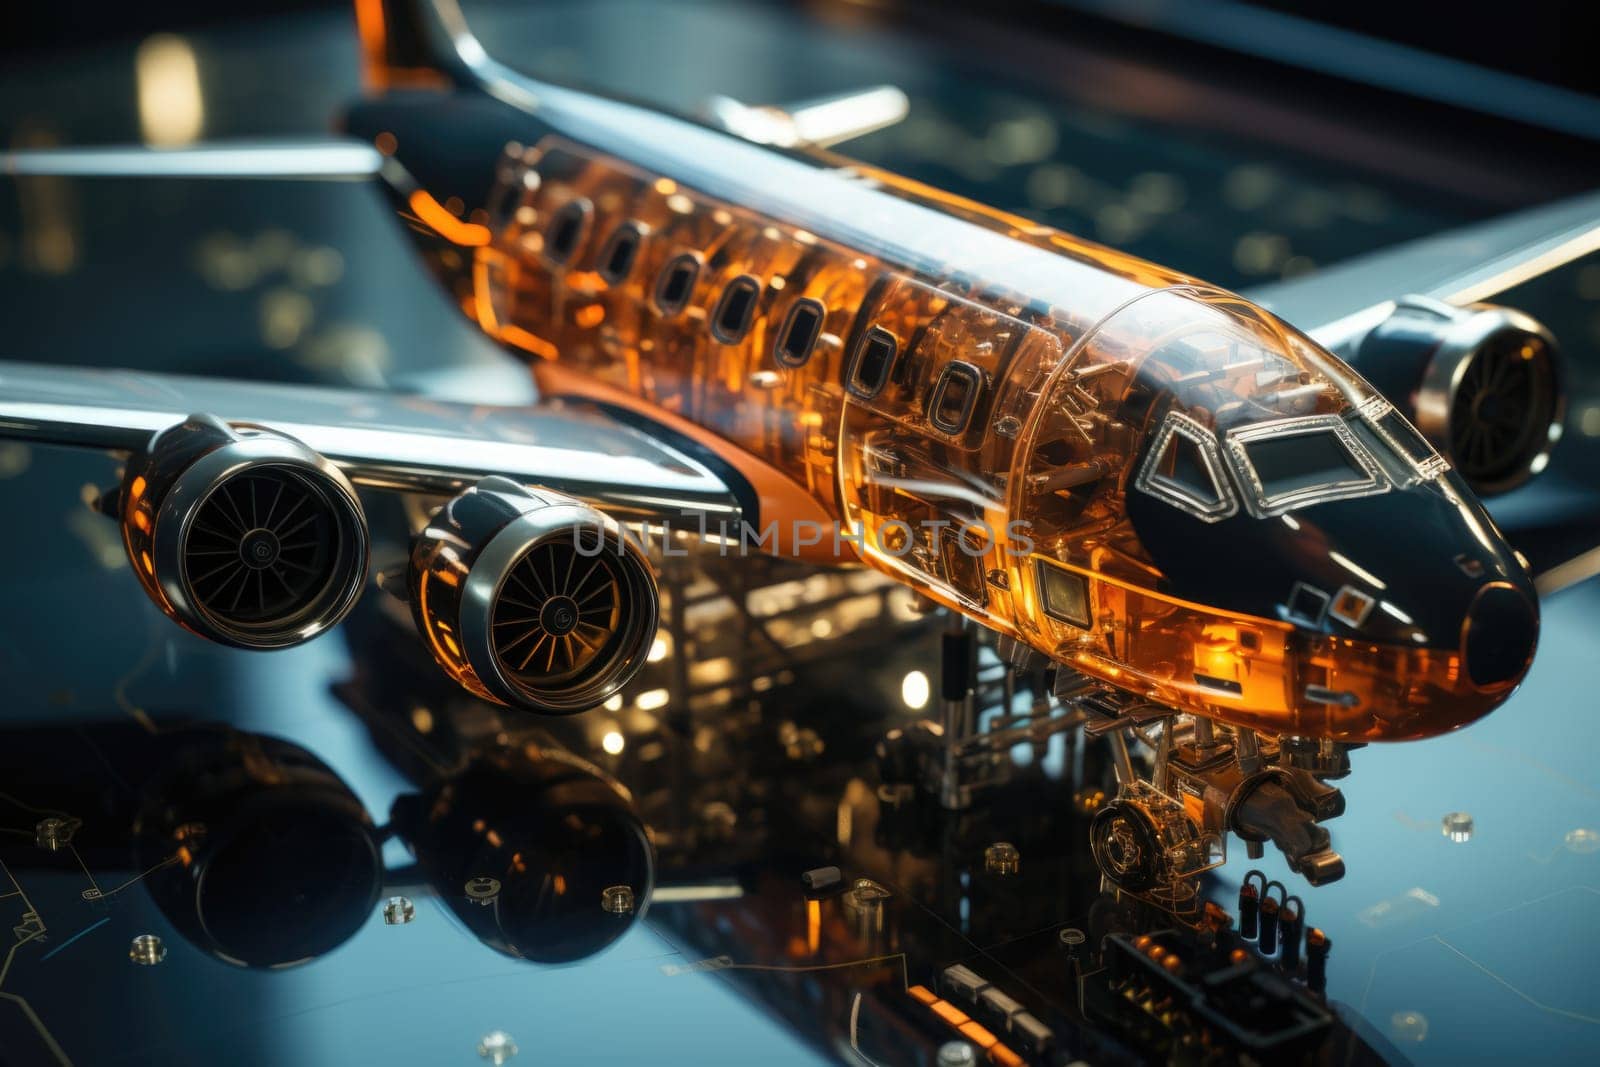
(1151, 481)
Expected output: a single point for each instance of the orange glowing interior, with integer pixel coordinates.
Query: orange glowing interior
(976, 441)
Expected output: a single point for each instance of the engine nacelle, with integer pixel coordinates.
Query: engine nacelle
(242, 534)
(1483, 383)
(532, 599)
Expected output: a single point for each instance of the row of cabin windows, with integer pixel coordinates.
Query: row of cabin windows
(951, 404)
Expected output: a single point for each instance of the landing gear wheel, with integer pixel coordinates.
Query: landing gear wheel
(1127, 847)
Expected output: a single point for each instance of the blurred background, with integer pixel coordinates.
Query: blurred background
(1240, 143)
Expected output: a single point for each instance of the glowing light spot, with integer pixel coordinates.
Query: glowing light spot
(613, 743)
(167, 74)
(652, 699)
(915, 690)
(1396, 612)
(659, 650)
(1350, 565)
(1582, 840)
(446, 225)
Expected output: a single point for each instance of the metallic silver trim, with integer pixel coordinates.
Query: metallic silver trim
(556, 519)
(189, 491)
(1294, 594)
(1263, 506)
(1374, 408)
(1427, 468)
(1464, 337)
(1366, 602)
(1151, 481)
(822, 123)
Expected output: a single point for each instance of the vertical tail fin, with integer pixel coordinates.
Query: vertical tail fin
(414, 44)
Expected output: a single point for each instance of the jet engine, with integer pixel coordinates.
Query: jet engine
(532, 599)
(243, 534)
(1484, 385)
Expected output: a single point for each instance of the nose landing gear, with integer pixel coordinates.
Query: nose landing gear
(1169, 823)
(1146, 843)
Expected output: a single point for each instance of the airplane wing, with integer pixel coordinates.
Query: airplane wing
(330, 159)
(239, 511)
(1462, 266)
(380, 440)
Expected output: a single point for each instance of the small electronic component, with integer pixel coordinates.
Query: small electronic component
(1010, 1015)
(1291, 928)
(1267, 939)
(964, 983)
(1250, 904)
(1318, 945)
(1180, 994)
(822, 879)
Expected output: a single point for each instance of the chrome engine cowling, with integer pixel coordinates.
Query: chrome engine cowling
(532, 599)
(242, 534)
(1483, 383)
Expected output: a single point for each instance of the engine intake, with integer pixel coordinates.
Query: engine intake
(1483, 383)
(242, 534)
(531, 599)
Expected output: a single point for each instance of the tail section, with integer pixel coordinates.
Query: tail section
(413, 44)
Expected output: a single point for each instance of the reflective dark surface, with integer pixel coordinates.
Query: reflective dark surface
(745, 752)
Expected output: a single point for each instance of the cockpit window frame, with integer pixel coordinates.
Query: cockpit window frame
(1422, 462)
(1152, 482)
(1263, 505)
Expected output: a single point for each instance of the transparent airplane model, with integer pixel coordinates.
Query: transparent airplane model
(1222, 537)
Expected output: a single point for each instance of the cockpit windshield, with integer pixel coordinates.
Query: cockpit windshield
(1185, 469)
(1199, 401)
(1280, 465)
(1292, 463)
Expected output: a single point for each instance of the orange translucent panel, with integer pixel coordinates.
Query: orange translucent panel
(1250, 671)
(973, 424)
(618, 331)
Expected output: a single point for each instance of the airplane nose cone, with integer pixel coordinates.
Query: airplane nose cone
(1497, 642)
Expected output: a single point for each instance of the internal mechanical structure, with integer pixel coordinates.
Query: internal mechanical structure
(1067, 445)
